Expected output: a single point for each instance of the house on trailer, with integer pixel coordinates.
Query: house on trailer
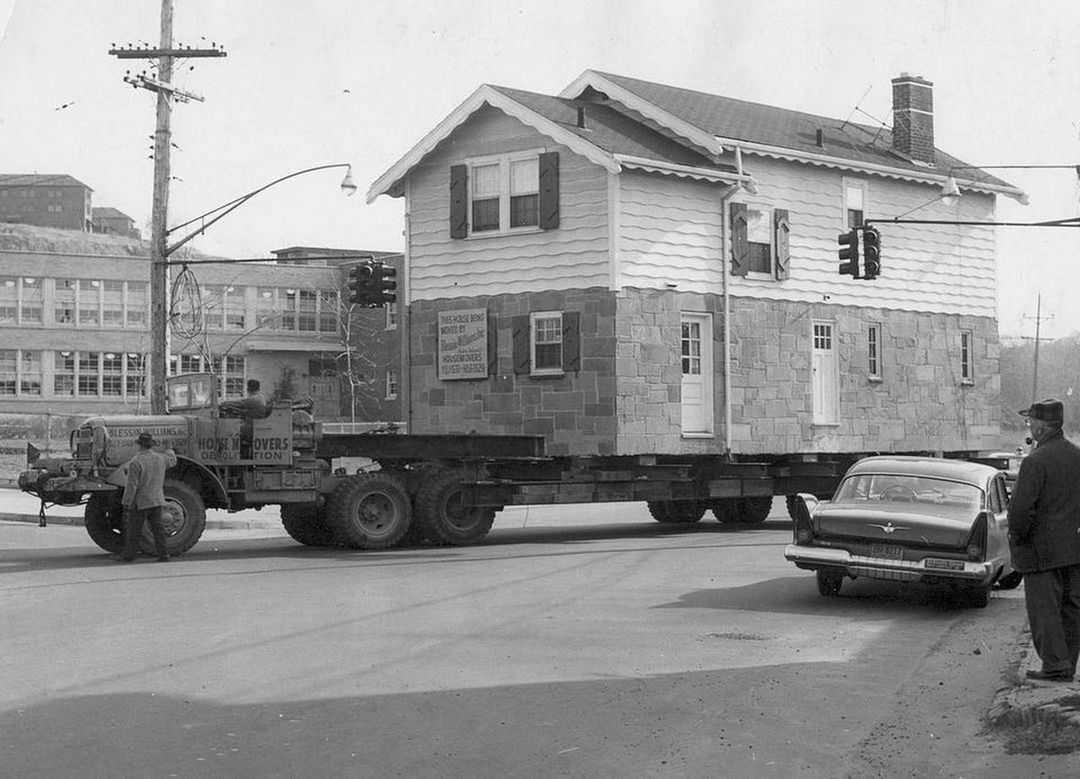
(629, 268)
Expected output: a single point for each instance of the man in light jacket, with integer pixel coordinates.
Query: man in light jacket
(144, 497)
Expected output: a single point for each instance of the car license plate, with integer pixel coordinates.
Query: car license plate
(887, 551)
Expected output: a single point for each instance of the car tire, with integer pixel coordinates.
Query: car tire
(829, 582)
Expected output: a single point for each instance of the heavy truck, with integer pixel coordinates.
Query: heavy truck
(441, 489)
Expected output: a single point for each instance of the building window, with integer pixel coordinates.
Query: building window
(391, 385)
(873, 351)
(64, 373)
(328, 311)
(89, 302)
(267, 313)
(134, 375)
(64, 303)
(967, 371)
(854, 203)
(137, 304)
(504, 193)
(307, 310)
(88, 378)
(391, 315)
(20, 300)
(759, 227)
(9, 372)
(112, 374)
(112, 304)
(691, 348)
(547, 342)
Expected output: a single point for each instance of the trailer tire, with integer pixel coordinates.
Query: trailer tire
(183, 517)
(370, 511)
(306, 524)
(442, 516)
(104, 520)
(676, 512)
(755, 510)
(726, 510)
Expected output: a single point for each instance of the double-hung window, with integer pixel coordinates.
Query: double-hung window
(759, 223)
(547, 342)
(854, 203)
(873, 351)
(504, 193)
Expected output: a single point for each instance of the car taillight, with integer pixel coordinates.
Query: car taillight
(802, 528)
(976, 545)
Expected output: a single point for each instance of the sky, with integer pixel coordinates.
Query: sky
(361, 81)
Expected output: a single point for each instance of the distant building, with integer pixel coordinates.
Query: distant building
(317, 255)
(46, 200)
(113, 221)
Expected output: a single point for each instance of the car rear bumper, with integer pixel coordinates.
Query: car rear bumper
(928, 569)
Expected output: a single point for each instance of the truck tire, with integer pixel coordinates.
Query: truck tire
(670, 512)
(183, 516)
(726, 510)
(441, 515)
(370, 511)
(104, 520)
(306, 525)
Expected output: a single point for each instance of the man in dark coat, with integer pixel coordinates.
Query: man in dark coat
(1044, 534)
(144, 497)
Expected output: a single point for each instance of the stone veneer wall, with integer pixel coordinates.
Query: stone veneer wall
(575, 412)
(626, 397)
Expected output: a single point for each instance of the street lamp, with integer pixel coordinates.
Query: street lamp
(160, 251)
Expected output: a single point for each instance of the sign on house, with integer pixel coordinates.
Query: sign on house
(463, 342)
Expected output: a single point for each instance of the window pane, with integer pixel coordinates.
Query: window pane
(525, 176)
(547, 339)
(137, 302)
(485, 215)
(89, 301)
(32, 301)
(88, 373)
(760, 257)
(64, 312)
(525, 211)
(8, 364)
(485, 181)
(9, 299)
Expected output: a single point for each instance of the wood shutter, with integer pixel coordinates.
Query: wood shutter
(520, 326)
(782, 244)
(571, 341)
(740, 245)
(459, 201)
(493, 344)
(549, 190)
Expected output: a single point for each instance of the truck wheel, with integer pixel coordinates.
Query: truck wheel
(726, 510)
(676, 511)
(306, 524)
(370, 511)
(442, 515)
(184, 519)
(104, 520)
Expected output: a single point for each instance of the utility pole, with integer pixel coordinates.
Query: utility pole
(1038, 322)
(158, 368)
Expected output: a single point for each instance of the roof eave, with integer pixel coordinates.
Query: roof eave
(391, 182)
(903, 174)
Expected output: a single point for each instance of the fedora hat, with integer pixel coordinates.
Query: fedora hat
(1049, 410)
(145, 439)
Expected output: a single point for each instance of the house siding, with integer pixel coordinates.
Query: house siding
(574, 256)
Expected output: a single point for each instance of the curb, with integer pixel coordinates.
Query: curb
(1020, 703)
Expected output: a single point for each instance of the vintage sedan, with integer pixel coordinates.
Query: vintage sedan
(909, 519)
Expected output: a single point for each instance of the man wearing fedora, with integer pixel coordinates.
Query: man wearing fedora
(1044, 535)
(144, 497)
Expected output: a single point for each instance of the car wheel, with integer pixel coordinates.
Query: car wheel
(1010, 581)
(828, 583)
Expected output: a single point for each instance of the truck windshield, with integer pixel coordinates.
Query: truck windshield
(190, 391)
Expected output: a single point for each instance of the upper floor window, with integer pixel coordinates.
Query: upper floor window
(854, 203)
(873, 351)
(759, 241)
(505, 193)
(20, 300)
(391, 385)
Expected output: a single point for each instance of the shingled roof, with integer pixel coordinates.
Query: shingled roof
(8, 180)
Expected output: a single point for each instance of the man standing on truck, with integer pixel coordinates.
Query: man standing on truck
(1044, 536)
(144, 497)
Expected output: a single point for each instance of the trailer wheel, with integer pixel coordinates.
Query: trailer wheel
(104, 520)
(306, 525)
(443, 516)
(370, 511)
(670, 512)
(183, 517)
(755, 510)
(726, 510)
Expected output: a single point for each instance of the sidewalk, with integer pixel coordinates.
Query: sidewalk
(18, 506)
(1021, 701)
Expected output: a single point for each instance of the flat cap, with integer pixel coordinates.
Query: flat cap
(1049, 410)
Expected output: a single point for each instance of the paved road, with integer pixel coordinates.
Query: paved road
(616, 647)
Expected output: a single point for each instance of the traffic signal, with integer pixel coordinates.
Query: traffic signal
(384, 284)
(871, 253)
(360, 285)
(849, 252)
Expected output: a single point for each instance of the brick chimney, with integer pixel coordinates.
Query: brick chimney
(913, 118)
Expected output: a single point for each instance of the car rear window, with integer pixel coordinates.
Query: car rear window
(919, 492)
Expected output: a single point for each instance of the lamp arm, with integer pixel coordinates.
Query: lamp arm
(226, 208)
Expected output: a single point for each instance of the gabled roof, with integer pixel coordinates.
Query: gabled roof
(777, 132)
(609, 138)
(634, 123)
(9, 180)
(108, 212)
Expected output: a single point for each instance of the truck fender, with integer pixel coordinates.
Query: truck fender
(211, 487)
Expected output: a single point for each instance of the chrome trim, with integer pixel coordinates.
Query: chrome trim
(880, 568)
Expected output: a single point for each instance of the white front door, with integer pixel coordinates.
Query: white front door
(826, 377)
(696, 352)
